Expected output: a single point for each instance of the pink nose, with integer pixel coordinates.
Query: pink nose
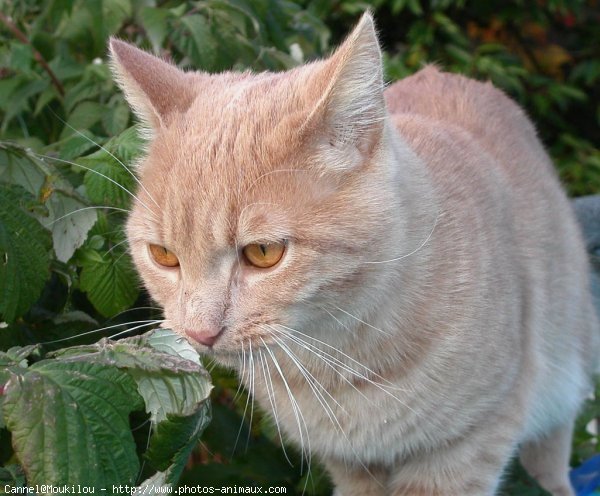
(207, 337)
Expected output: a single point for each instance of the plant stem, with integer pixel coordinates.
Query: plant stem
(36, 55)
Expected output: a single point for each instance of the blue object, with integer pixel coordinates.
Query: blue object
(586, 478)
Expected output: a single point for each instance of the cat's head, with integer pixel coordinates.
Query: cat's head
(261, 195)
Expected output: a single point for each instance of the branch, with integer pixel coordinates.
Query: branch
(36, 55)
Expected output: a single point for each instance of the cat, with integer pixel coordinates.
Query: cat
(395, 274)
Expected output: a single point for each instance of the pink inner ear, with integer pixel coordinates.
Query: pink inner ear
(154, 88)
(350, 109)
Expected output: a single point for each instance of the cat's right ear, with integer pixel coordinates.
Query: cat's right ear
(154, 88)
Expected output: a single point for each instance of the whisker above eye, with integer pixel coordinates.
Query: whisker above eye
(69, 162)
(146, 323)
(131, 173)
(86, 208)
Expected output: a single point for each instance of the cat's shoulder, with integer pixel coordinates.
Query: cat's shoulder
(431, 86)
(453, 100)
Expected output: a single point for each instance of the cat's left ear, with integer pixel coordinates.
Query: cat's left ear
(352, 107)
(154, 88)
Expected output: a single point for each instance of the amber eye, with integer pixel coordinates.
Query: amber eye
(264, 255)
(162, 256)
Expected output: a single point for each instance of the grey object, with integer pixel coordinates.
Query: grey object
(587, 209)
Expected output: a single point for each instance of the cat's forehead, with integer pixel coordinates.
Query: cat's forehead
(236, 158)
(236, 120)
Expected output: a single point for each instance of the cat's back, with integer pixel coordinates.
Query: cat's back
(479, 145)
(497, 186)
(491, 119)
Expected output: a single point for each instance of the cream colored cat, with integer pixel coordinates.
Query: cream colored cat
(396, 275)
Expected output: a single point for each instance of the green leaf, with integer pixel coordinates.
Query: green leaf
(18, 166)
(155, 22)
(167, 341)
(24, 246)
(127, 146)
(76, 144)
(110, 281)
(115, 12)
(108, 183)
(131, 355)
(83, 117)
(19, 100)
(12, 475)
(198, 42)
(174, 440)
(115, 119)
(70, 424)
(70, 220)
(21, 57)
(164, 365)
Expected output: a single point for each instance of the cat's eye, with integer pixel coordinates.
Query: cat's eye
(162, 256)
(264, 255)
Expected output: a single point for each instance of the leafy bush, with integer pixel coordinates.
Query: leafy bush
(66, 142)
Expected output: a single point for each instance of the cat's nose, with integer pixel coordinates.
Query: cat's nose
(206, 336)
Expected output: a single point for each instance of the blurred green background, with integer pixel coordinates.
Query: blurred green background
(58, 104)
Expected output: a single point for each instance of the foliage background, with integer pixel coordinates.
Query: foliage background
(62, 121)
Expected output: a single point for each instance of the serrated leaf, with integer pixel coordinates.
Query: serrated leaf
(198, 42)
(174, 440)
(127, 146)
(20, 97)
(83, 116)
(165, 367)
(109, 281)
(81, 91)
(70, 424)
(18, 166)
(24, 260)
(12, 475)
(70, 220)
(127, 354)
(115, 12)
(21, 57)
(155, 22)
(108, 183)
(167, 393)
(77, 144)
(169, 342)
(115, 119)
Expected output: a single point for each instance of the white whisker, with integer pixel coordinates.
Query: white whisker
(126, 331)
(85, 208)
(109, 153)
(101, 175)
(249, 399)
(336, 350)
(362, 321)
(271, 395)
(304, 448)
(415, 250)
(312, 381)
(148, 322)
